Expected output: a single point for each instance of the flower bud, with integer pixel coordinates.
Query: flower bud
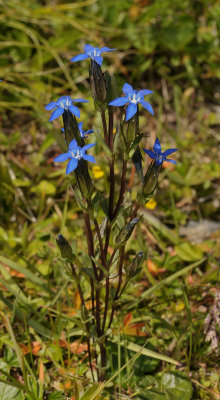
(151, 179)
(97, 85)
(126, 232)
(71, 129)
(65, 248)
(134, 267)
(131, 129)
(83, 179)
(111, 88)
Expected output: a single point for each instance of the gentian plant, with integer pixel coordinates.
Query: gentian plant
(108, 266)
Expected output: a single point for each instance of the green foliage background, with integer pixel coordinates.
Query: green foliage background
(170, 47)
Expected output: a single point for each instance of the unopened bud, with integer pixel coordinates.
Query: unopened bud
(83, 179)
(131, 129)
(134, 267)
(71, 129)
(111, 88)
(97, 85)
(151, 179)
(65, 248)
(126, 232)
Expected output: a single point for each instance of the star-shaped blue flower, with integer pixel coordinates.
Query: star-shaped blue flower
(74, 154)
(83, 134)
(158, 155)
(132, 97)
(92, 52)
(64, 103)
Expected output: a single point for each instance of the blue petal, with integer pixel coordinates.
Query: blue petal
(80, 57)
(150, 153)
(168, 152)
(120, 101)
(62, 157)
(72, 164)
(87, 157)
(127, 89)
(51, 106)
(80, 124)
(144, 92)
(80, 101)
(62, 129)
(147, 106)
(88, 47)
(74, 110)
(131, 110)
(73, 145)
(103, 49)
(98, 59)
(89, 131)
(172, 161)
(56, 113)
(157, 146)
(88, 146)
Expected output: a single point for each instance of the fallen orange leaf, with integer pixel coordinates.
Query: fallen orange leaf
(35, 347)
(41, 372)
(153, 268)
(77, 300)
(24, 348)
(78, 348)
(127, 319)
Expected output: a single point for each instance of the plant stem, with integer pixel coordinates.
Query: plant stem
(120, 266)
(86, 324)
(105, 130)
(122, 189)
(90, 243)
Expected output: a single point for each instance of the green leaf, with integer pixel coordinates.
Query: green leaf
(168, 280)
(45, 188)
(177, 33)
(170, 386)
(177, 386)
(149, 353)
(56, 396)
(89, 272)
(101, 141)
(93, 392)
(9, 392)
(29, 275)
(188, 252)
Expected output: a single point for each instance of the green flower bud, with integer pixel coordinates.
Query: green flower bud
(111, 88)
(126, 232)
(83, 179)
(134, 267)
(65, 248)
(97, 85)
(151, 179)
(71, 129)
(131, 129)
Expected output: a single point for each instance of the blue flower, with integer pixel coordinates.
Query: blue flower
(74, 154)
(64, 103)
(83, 134)
(158, 155)
(132, 97)
(92, 52)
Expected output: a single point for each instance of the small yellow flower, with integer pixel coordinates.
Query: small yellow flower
(97, 171)
(151, 204)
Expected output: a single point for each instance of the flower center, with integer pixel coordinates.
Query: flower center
(134, 99)
(76, 154)
(159, 158)
(93, 53)
(65, 103)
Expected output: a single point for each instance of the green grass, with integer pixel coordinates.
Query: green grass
(174, 53)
